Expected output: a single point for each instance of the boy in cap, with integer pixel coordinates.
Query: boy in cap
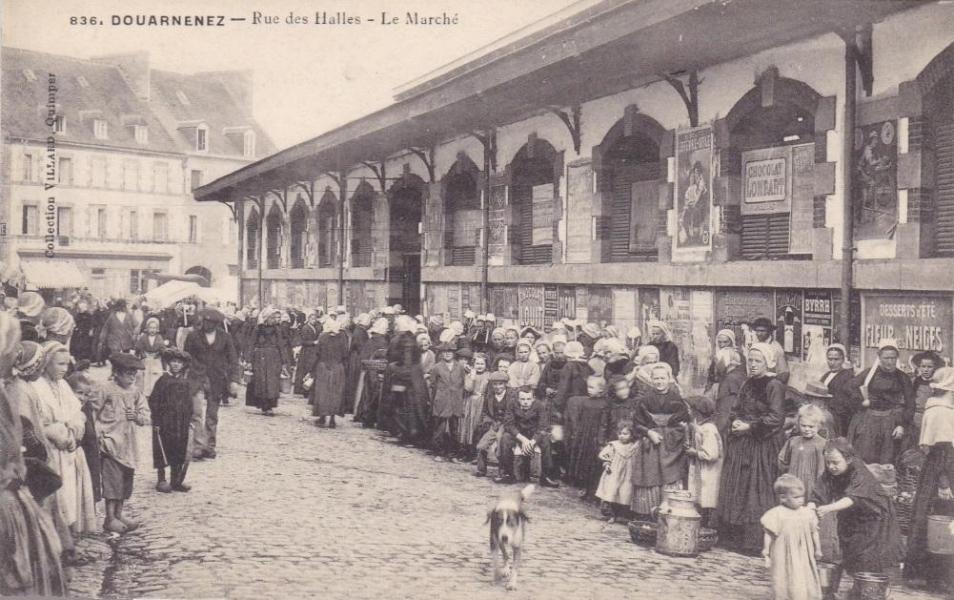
(118, 406)
(497, 397)
(447, 400)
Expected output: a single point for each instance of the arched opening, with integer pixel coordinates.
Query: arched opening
(201, 272)
(252, 239)
(771, 136)
(937, 213)
(533, 187)
(362, 224)
(299, 231)
(629, 174)
(326, 229)
(273, 237)
(405, 209)
(462, 214)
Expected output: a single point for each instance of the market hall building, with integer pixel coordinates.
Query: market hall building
(703, 162)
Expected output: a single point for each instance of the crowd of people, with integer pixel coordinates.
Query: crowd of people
(788, 476)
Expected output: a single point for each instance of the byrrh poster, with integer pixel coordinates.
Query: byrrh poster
(693, 189)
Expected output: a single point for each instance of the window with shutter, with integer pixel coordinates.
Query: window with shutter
(765, 236)
(944, 189)
(361, 224)
(532, 196)
(462, 219)
(251, 240)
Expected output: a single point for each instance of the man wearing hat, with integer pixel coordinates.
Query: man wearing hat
(213, 349)
(118, 407)
(765, 332)
(447, 400)
(172, 406)
(118, 332)
(497, 397)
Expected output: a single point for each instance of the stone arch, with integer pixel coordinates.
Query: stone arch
(201, 271)
(362, 224)
(253, 238)
(761, 118)
(298, 221)
(628, 164)
(535, 165)
(461, 187)
(326, 217)
(405, 212)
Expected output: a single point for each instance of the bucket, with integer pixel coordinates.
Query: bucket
(286, 384)
(826, 571)
(870, 586)
(940, 534)
(678, 525)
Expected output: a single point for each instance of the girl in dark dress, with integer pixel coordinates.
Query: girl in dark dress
(660, 423)
(306, 356)
(405, 410)
(371, 388)
(270, 356)
(585, 434)
(660, 336)
(359, 339)
(756, 435)
(867, 532)
(622, 405)
(171, 408)
(573, 377)
(886, 410)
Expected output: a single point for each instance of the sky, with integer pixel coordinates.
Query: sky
(308, 78)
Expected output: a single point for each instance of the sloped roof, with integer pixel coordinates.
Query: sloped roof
(24, 102)
(210, 102)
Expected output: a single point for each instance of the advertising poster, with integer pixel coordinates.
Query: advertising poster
(503, 303)
(917, 322)
(579, 217)
(694, 188)
(567, 302)
(803, 199)
(817, 322)
(736, 309)
(875, 185)
(624, 309)
(600, 304)
(551, 306)
(700, 352)
(788, 321)
(582, 302)
(648, 308)
(530, 299)
(497, 240)
(765, 181)
(454, 312)
(677, 313)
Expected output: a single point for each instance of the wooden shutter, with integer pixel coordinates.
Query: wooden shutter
(621, 221)
(944, 190)
(765, 236)
(522, 199)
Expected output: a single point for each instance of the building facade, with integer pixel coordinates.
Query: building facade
(701, 162)
(99, 161)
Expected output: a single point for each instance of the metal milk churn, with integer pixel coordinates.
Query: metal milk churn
(677, 525)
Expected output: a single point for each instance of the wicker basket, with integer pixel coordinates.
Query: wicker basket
(643, 532)
(375, 364)
(708, 538)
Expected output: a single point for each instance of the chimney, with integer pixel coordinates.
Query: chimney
(237, 83)
(134, 68)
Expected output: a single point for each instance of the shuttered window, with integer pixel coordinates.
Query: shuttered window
(765, 236)
(522, 196)
(361, 224)
(621, 223)
(944, 190)
(462, 220)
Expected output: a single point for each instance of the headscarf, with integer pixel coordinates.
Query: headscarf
(729, 334)
(574, 351)
(447, 336)
(380, 326)
(266, 313)
(657, 366)
(457, 327)
(498, 330)
(644, 352)
(634, 333)
(57, 321)
(404, 323)
(666, 330)
(332, 326)
(364, 320)
(30, 304)
(29, 359)
(844, 353)
(150, 320)
(611, 331)
(558, 339)
(51, 349)
(766, 351)
(726, 357)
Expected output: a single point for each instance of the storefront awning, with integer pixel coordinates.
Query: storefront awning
(52, 274)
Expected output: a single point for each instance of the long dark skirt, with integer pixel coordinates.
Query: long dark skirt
(31, 547)
(263, 390)
(306, 358)
(90, 445)
(584, 444)
(328, 390)
(919, 563)
(870, 435)
(745, 489)
(406, 402)
(370, 399)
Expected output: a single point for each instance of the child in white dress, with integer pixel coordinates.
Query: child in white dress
(705, 450)
(616, 483)
(791, 544)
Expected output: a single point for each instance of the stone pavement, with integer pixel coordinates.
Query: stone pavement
(288, 510)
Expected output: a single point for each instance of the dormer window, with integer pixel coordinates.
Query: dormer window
(202, 139)
(29, 75)
(100, 129)
(249, 145)
(142, 134)
(82, 81)
(183, 98)
(59, 124)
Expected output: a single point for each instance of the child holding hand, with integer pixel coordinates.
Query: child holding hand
(791, 544)
(616, 483)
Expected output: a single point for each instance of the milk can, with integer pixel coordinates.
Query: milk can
(677, 525)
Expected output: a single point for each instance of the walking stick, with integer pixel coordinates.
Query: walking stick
(162, 449)
(359, 392)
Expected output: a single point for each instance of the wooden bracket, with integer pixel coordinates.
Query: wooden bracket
(379, 173)
(572, 122)
(427, 157)
(688, 91)
(309, 188)
(862, 50)
(231, 206)
(488, 138)
(282, 196)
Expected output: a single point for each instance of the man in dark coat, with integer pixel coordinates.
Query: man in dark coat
(525, 426)
(212, 348)
(118, 333)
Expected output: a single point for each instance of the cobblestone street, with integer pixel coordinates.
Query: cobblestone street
(291, 511)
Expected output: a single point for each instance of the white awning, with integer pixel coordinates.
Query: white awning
(52, 274)
(170, 292)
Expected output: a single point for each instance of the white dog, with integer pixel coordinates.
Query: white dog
(507, 530)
